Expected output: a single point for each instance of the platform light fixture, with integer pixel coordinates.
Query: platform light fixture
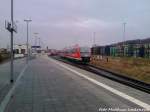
(11, 27)
(27, 22)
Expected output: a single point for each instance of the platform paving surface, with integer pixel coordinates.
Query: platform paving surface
(47, 87)
(5, 75)
(5, 70)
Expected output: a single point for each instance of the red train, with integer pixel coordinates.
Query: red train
(77, 53)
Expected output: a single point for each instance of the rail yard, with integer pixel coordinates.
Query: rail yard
(74, 56)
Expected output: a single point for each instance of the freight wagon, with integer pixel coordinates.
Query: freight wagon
(131, 48)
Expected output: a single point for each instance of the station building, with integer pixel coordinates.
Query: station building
(20, 50)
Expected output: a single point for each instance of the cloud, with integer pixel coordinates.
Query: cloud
(63, 22)
(88, 23)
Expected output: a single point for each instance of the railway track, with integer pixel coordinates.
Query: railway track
(110, 75)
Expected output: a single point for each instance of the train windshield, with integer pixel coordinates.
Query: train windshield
(85, 49)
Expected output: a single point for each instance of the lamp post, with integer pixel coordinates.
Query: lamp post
(11, 43)
(27, 21)
(124, 31)
(94, 36)
(11, 27)
(36, 36)
(39, 41)
(124, 37)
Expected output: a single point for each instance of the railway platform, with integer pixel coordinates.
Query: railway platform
(45, 85)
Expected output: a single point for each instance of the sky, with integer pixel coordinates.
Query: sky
(62, 23)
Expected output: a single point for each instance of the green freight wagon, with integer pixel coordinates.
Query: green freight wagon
(147, 50)
(113, 51)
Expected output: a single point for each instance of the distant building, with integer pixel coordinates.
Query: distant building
(36, 49)
(3, 50)
(4, 54)
(20, 50)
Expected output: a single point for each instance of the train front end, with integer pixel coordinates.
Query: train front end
(85, 53)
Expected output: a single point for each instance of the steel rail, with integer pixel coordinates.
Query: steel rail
(145, 87)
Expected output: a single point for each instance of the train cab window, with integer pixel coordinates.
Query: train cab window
(85, 49)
